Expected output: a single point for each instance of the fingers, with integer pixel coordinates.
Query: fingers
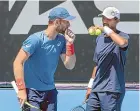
(86, 99)
(22, 103)
(87, 94)
(70, 33)
(66, 31)
(94, 28)
(22, 97)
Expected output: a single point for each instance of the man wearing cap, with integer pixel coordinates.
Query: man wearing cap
(106, 88)
(37, 60)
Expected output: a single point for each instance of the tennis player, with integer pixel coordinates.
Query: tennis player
(106, 88)
(37, 60)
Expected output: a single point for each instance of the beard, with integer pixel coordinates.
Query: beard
(105, 24)
(61, 29)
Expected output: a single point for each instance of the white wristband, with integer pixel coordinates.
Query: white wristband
(107, 30)
(90, 83)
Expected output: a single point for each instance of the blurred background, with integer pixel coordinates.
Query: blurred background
(19, 19)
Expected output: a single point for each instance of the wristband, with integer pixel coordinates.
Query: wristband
(90, 83)
(107, 30)
(70, 49)
(20, 84)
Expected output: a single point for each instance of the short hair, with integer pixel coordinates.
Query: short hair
(50, 22)
(115, 18)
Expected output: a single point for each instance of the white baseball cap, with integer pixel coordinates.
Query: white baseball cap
(110, 13)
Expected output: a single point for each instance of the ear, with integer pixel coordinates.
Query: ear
(56, 22)
(118, 20)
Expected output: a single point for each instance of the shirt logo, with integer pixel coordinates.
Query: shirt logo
(59, 43)
(29, 45)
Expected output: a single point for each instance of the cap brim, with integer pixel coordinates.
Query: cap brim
(100, 15)
(70, 17)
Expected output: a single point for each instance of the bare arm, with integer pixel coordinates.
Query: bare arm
(69, 57)
(119, 40)
(92, 78)
(28, 48)
(90, 83)
(122, 41)
(21, 57)
(94, 71)
(69, 61)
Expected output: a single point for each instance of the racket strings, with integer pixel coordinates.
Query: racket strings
(80, 107)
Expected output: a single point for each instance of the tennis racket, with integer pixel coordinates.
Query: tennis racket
(80, 107)
(27, 106)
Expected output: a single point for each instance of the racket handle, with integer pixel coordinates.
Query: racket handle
(14, 86)
(84, 102)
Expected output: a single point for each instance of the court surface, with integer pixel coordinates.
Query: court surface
(67, 99)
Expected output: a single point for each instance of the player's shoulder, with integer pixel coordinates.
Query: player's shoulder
(61, 37)
(36, 35)
(123, 34)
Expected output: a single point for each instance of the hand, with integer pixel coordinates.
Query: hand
(96, 27)
(22, 96)
(69, 36)
(88, 93)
